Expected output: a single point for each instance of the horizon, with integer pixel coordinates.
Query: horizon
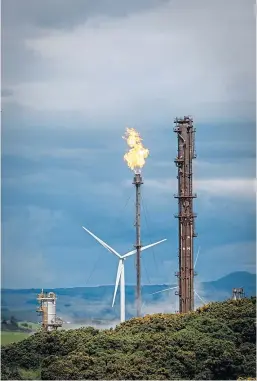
(127, 284)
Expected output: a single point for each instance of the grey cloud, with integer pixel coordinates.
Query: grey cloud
(111, 69)
(67, 13)
(18, 64)
(110, 74)
(22, 19)
(6, 93)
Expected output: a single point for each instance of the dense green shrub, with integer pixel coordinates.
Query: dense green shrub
(216, 342)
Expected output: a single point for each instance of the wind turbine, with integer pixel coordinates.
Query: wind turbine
(172, 288)
(120, 278)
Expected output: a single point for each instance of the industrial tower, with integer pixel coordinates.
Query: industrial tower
(138, 181)
(47, 308)
(186, 152)
(238, 293)
(135, 159)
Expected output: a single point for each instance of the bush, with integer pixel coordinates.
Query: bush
(216, 342)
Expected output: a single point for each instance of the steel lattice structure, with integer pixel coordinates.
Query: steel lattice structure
(186, 153)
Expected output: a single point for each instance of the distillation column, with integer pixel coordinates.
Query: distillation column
(47, 308)
(238, 293)
(186, 152)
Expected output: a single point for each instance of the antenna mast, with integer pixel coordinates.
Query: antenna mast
(186, 152)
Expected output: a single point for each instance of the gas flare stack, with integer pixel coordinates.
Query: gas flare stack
(186, 152)
(135, 159)
(47, 308)
(138, 180)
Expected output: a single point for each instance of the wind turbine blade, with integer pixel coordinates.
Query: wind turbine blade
(104, 244)
(143, 248)
(120, 268)
(199, 297)
(166, 289)
(197, 256)
(153, 244)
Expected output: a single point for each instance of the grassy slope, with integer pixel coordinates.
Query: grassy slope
(8, 337)
(12, 337)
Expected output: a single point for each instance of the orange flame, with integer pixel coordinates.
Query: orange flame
(137, 154)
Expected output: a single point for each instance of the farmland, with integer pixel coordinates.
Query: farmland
(16, 331)
(8, 337)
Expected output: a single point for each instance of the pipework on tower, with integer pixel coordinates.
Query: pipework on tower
(186, 153)
(47, 308)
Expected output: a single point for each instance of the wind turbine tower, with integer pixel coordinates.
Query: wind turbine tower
(186, 153)
(120, 278)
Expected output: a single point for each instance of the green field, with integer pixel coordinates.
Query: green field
(12, 337)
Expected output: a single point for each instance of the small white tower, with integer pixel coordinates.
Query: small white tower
(47, 307)
(238, 293)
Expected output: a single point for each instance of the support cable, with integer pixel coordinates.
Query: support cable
(147, 276)
(93, 269)
(118, 219)
(199, 297)
(146, 216)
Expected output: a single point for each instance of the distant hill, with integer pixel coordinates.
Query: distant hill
(241, 278)
(237, 279)
(80, 304)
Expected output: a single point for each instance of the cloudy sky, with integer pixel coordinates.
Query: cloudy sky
(75, 73)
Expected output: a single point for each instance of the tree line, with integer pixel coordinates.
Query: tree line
(13, 326)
